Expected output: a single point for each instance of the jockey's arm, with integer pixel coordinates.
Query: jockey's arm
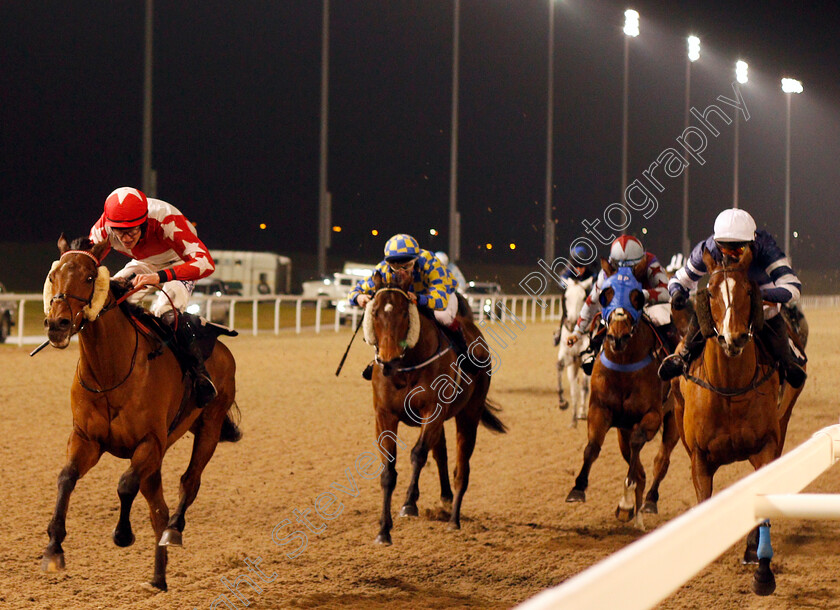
(197, 262)
(437, 283)
(363, 290)
(657, 282)
(785, 285)
(685, 279)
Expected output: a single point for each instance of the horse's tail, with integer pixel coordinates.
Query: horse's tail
(230, 425)
(489, 418)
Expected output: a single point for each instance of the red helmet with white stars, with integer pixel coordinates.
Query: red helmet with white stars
(626, 251)
(126, 207)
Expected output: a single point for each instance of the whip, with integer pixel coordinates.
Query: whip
(347, 351)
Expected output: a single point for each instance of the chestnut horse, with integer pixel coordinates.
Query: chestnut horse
(125, 400)
(727, 405)
(626, 393)
(418, 381)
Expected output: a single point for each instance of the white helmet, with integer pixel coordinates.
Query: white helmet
(734, 225)
(442, 257)
(626, 250)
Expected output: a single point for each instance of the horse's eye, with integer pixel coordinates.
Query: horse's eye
(89, 279)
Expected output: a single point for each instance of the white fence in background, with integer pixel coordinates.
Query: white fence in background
(525, 308)
(646, 572)
(309, 313)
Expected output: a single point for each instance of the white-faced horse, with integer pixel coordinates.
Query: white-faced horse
(569, 358)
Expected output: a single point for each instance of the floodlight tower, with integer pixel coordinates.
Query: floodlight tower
(631, 30)
(693, 55)
(789, 86)
(741, 68)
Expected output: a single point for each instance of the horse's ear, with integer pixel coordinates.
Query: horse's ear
(377, 280)
(703, 309)
(640, 269)
(746, 258)
(709, 261)
(637, 299)
(607, 267)
(63, 244)
(406, 283)
(99, 250)
(756, 307)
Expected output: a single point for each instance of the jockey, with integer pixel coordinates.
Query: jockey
(578, 269)
(625, 251)
(165, 250)
(734, 231)
(459, 278)
(432, 286)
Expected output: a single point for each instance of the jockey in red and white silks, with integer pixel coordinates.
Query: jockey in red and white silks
(163, 244)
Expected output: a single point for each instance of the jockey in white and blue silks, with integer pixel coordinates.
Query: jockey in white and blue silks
(734, 231)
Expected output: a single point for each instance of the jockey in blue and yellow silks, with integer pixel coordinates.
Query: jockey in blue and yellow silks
(433, 286)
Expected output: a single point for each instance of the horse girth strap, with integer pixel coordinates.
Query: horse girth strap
(732, 392)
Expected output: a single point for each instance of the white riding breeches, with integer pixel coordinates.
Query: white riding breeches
(447, 316)
(178, 291)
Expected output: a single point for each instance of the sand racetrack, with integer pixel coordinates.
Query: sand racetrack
(303, 428)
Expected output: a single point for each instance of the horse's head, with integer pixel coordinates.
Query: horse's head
(622, 301)
(75, 290)
(574, 297)
(392, 323)
(731, 307)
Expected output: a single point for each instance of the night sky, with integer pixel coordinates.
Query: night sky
(237, 102)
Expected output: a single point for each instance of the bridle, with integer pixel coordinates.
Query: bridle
(63, 296)
(404, 343)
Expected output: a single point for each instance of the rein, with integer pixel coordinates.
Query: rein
(731, 392)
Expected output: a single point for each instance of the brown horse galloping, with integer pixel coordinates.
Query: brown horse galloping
(418, 382)
(727, 405)
(628, 395)
(125, 402)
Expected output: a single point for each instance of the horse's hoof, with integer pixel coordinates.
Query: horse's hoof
(573, 424)
(576, 495)
(446, 504)
(383, 539)
(624, 515)
(53, 563)
(409, 511)
(453, 525)
(750, 558)
(563, 405)
(764, 583)
(123, 539)
(171, 537)
(650, 507)
(155, 586)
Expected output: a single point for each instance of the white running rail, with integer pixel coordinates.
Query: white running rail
(644, 573)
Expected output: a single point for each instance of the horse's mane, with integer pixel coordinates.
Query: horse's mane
(81, 243)
(119, 287)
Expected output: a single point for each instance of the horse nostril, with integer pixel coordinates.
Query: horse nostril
(721, 339)
(64, 323)
(742, 339)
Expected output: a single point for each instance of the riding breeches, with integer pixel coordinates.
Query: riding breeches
(446, 317)
(176, 291)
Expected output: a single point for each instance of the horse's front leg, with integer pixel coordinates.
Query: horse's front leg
(146, 463)
(127, 490)
(598, 424)
(670, 437)
(631, 444)
(429, 434)
(572, 371)
(386, 435)
(442, 461)
(82, 455)
(563, 404)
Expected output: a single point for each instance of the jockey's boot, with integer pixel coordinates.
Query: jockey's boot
(676, 364)
(595, 344)
(367, 374)
(775, 337)
(455, 333)
(186, 338)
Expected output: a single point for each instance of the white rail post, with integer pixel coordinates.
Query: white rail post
(20, 322)
(277, 316)
(337, 320)
(230, 313)
(318, 316)
(298, 305)
(255, 320)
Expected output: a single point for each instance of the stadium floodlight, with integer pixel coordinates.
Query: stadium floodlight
(631, 22)
(693, 48)
(791, 85)
(741, 68)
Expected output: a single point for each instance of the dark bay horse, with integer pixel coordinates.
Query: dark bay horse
(626, 394)
(418, 382)
(125, 401)
(728, 405)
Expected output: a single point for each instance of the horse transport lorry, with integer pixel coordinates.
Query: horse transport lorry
(253, 273)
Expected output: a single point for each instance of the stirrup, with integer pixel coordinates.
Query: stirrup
(205, 389)
(587, 365)
(794, 375)
(672, 366)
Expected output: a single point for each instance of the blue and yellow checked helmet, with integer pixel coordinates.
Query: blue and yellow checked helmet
(401, 248)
